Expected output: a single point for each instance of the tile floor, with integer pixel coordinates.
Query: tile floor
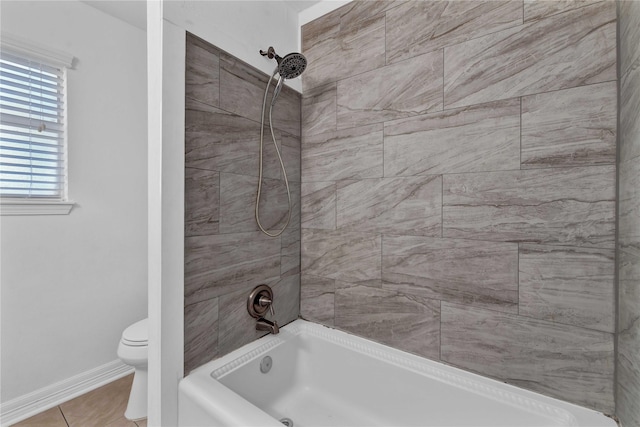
(102, 407)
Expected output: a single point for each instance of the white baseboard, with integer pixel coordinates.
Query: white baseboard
(47, 397)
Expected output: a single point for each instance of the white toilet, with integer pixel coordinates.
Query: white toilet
(132, 350)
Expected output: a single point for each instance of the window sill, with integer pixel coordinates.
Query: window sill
(35, 207)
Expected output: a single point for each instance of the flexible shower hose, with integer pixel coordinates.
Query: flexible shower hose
(284, 172)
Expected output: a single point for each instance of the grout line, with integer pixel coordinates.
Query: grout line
(520, 152)
(518, 278)
(442, 206)
(443, 74)
(62, 413)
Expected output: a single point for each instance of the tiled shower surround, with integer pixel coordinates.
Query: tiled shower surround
(628, 374)
(459, 185)
(225, 254)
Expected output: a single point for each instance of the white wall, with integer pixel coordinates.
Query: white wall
(71, 284)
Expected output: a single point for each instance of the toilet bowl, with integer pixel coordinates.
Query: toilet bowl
(132, 350)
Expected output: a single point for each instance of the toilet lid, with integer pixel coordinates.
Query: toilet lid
(137, 334)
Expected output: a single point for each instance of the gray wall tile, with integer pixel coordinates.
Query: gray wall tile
(483, 274)
(202, 77)
(346, 256)
(391, 205)
(201, 202)
(436, 24)
(530, 353)
(537, 206)
(572, 127)
(318, 205)
(538, 9)
(409, 323)
(236, 326)
(355, 12)
(629, 13)
(402, 90)
(629, 107)
(346, 154)
(483, 137)
(317, 299)
(539, 52)
(200, 333)
(319, 110)
(290, 252)
(568, 285)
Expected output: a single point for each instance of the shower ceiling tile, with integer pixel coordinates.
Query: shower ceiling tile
(391, 205)
(216, 265)
(396, 91)
(349, 52)
(572, 127)
(482, 274)
(436, 24)
(347, 256)
(538, 9)
(410, 323)
(566, 362)
(533, 58)
(354, 153)
(569, 285)
(202, 71)
(484, 137)
(201, 202)
(317, 299)
(318, 208)
(572, 206)
(200, 333)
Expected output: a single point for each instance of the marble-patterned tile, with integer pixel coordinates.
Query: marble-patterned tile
(419, 27)
(629, 17)
(401, 90)
(346, 53)
(569, 285)
(539, 9)
(319, 110)
(628, 289)
(572, 206)
(353, 13)
(562, 361)
(286, 297)
(238, 199)
(242, 91)
(347, 256)
(99, 407)
(482, 274)
(322, 28)
(290, 252)
(202, 73)
(484, 137)
(141, 423)
(200, 333)
(202, 202)
(219, 264)
(319, 205)
(391, 205)
(477, 71)
(345, 154)
(571, 127)
(407, 322)
(290, 152)
(50, 418)
(317, 299)
(120, 422)
(220, 141)
(629, 106)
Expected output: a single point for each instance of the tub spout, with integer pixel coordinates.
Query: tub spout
(267, 325)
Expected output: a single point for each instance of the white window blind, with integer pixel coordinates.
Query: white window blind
(32, 140)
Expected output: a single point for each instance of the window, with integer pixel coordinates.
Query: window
(32, 130)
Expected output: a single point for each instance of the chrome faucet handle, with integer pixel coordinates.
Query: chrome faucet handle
(265, 301)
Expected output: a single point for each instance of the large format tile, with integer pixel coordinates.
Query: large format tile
(202, 202)
(220, 141)
(483, 274)
(322, 28)
(290, 151)
(200, 333)
(629, 106)
(396, 91)
(533, 58)
(347, 256)
(572, 127)
(202, 74)
(345, 53)
(318, 209)
(574, 206)
(99, 407)
(629, 16)
(418, 27)
(345, 154)
(391, 205)
(483, 137)
(409, 323)
(353, 13)
(538, 9)
(563, 361)
(216, 265)
(568, 285)
(319, 110)
(51, 418)
(290, 252)
(317, 299)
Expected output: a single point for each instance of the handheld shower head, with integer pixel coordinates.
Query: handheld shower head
(289, 67)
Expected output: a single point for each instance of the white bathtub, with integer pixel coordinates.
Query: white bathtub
(323, 377)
